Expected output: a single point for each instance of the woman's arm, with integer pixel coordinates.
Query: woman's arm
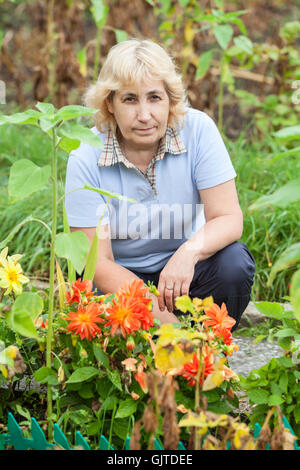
(224, 221)
(110, 276)
(224, 225)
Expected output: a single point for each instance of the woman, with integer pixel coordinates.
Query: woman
(182, 233)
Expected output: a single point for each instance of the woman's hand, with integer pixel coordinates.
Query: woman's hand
(178, 274)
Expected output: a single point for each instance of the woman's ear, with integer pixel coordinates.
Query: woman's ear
(109, 105)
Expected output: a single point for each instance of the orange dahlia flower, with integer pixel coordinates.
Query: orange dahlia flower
(84, 321)
(80, 290)
(224, 334)
(218, 317)
(127, 314)
(135, 289)
(190, 369)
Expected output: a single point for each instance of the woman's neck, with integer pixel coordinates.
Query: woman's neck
(138, 156)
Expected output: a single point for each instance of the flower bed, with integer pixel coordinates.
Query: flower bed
(120, 374)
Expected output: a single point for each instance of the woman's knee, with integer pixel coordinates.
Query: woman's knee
(236, 265)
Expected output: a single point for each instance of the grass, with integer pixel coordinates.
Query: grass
(266, 233)
(32, 239)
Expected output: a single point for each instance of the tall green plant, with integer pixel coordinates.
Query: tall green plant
(283, 197)
(26, 178)
(218, 24)
(99, 11)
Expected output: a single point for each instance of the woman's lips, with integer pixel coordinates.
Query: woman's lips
(145, 130)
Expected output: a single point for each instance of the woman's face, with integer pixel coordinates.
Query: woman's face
(141, 112)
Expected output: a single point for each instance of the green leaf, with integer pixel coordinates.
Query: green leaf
(74, 247)
(48, 122)
(99, 11)
(283, 382)
(25, 310)
(282, 197)
(285, 361)
(288, 133)
(259, 338)
(26, 178)
(86, 391)
(270, 309)
(297, 414)
(84, 134)
(45, 108)
(68, 144)
(30, 116)
(100, 355)
(71, 270)
(104, 387)
(43, 374)
(23, 412)
(126, 408)
(73, 111)
(120, 428)
(109, 193)
(244, 43)
(223, 34)
(109, 403)
(295, 294)
(92, 258)
(285, 332)
(203, 64)
(288, 258)
(276, 156)
(259, 396)
(275, 400)
(284, 343)
(82, 374)
(114, 377)
(220, 407)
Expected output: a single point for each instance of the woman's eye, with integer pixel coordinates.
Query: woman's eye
(155, 97)
(129, 99)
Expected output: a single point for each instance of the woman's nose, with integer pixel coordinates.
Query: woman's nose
(144, 113)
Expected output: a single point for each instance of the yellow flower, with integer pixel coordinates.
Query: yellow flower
(4, 371)
(11, 273)
(3, 256)
(170, 356)
(241, 431)
(215, 379)
(200, 304)
(174, 347)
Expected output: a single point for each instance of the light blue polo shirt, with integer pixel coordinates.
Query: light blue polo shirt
(145, 234)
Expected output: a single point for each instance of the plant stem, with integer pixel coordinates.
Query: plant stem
(51, 48)
(97, 53)
(51, 287)
(197, 396)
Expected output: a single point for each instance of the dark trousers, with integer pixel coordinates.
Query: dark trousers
(227, 276)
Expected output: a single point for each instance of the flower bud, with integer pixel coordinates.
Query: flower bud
(130, 344)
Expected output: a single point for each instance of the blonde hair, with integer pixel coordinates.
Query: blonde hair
(131, 62)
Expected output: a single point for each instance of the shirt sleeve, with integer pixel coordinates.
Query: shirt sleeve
(84, 207)
(213, 165)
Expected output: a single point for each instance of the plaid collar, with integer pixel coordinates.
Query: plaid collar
(112, 153)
